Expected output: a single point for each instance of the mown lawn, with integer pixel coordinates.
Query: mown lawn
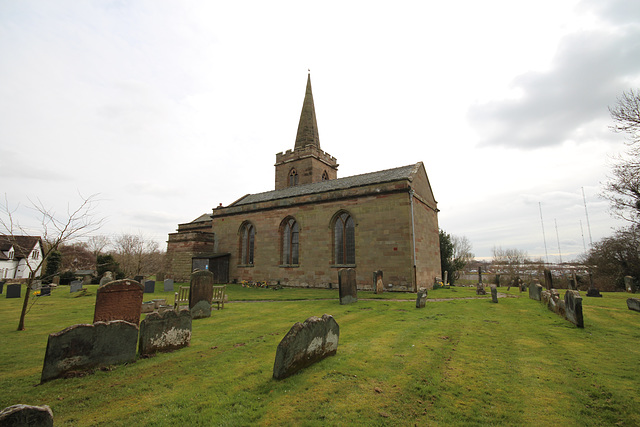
(456, 362)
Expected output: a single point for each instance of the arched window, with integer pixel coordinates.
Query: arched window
(325, 176)
(247, 239)
(344, 239)
(290, 242)
(293, 178)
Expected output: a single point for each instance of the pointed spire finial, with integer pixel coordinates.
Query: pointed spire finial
(308, 126)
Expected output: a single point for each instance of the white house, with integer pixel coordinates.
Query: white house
(19, 255)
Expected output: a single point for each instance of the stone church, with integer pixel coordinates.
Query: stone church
(314, 223)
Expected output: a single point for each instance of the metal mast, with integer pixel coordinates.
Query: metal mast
(544, 238)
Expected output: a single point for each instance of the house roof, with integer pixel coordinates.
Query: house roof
(22, 245)
(389, 175)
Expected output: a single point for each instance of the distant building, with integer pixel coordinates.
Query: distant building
(17, 253)
(314, 224)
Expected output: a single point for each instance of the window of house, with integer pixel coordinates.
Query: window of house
(35, 255)
(344, 239)
(290, 242)
(10, 254)
(293, 178)
(247, 239)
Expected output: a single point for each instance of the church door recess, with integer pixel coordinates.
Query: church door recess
(217, 264)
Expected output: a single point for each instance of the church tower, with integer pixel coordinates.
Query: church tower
(307, 163)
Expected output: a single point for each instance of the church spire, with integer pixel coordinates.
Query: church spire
(308, 126)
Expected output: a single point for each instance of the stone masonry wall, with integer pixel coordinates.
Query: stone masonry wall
(181, 247)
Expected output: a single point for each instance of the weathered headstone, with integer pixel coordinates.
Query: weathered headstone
(593, 291)
(347, 286)
(167, 331)
(494, 293)
(75, 286)
(86, 280)
(305, 344)
(106, 278)
(160, 276)
(378, 284)
(149, 287)
(445, 279)
(86, 347)
(573, 308)
(535, 291)
(201, 294)
(1, 287)
(168, 285)
(26, 416)
(13, 290)
(56, 280)
(421, 300)
(45, 291)
(480, 290)
(548, 279)
(497, 280)
(119, 300)
(479, 274)
(633, 304)
(630, 284)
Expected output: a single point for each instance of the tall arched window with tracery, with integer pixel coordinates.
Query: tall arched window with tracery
(293, 177)
(290, 242)
(344, 239)
(247, 240)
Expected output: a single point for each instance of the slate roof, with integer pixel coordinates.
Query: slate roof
(22, 245)
(371, 178)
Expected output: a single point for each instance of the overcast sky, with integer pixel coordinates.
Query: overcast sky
(168, 108)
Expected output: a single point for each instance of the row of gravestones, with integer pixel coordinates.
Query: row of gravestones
(570, 308)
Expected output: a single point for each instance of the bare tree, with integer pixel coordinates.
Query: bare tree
(137, 254)
(623, 186)
(98, 243)
(462, 250)
(56, 230)
(510, 260)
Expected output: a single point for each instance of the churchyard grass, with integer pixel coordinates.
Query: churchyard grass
(455, 362)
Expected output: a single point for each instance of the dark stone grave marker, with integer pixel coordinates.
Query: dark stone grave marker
(1, 287)
(13, 290)
(633, 304)
(535, 291)
(26, 416)
(167, 331)
(119, 300)
(75, 286)
(201, 294)
(347, 286)
(573, 308)
(149, 287)
(494, 293)
(45, 291)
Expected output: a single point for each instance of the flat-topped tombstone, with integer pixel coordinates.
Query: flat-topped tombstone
(535, 291)
(573, 308)
(149, 287)
(378, 284)
(166, 331)
(119, 300)
(75, 286)
(633, 304)
(168, 285)
(347, 286)
(305, 344)
(86, 347)
(421, 299)
(26, 416)
(13, 290)
(494, 293)
(148, 307)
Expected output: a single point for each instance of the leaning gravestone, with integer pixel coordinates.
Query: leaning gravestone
(86, 347)
(535, 291)
(75, 286)
(573, 308)
(421, 299)
(149, 287)
(629, 284)
(201, 294)
(494, 293)
(347, 286)
(167, 331)
(305, 344)
(378, 284)
(13, 290)
(168, 285)
(633, 304)
(548, 279)
(26, 416)
(119, 300)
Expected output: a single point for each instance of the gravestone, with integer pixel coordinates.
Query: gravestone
(480, 290)
(1, 286)
(168, 285)
(86, 347)
(75, 286)
(573, 308)
(494, 293)
(630, 284)
(497, 280)
(535, 291)
(633, 304)
(106, 278)
(167, 331)
(523, 287)
(593, 291)
(305, 344)
(347, 286)
(45, 291)
(26, 416)
(13, 290)
(56, 280)
(148, 307)
(160, 277)
(479, 274)
(201, 294)
(548, 279)
(86, 280)
(149, 287)
(421, 300)
(445, 279)
(378, 284)
(119, 300)
(158, 302)
(138, 278)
